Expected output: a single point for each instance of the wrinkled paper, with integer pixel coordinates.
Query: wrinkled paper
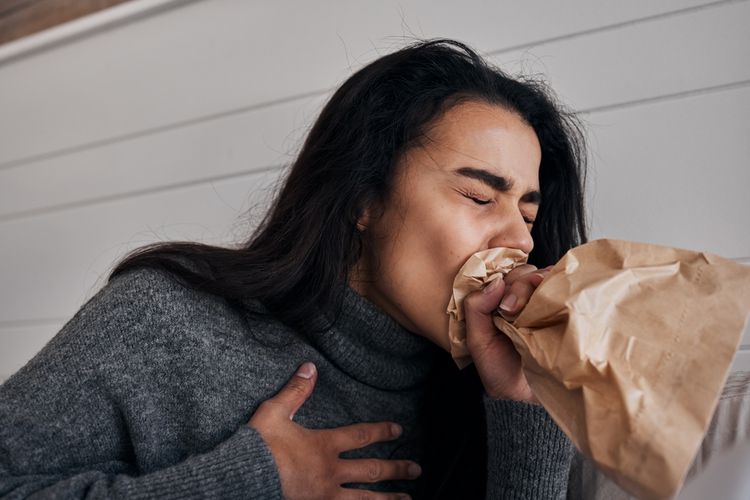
(479, 270)
(627, 345)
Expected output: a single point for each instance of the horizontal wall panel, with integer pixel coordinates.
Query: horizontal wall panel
(209, 57)
(21, 343)
(666, 55)
(231, 145)
(674, 173)
(55, 262)
(670, 55)
(635, 192)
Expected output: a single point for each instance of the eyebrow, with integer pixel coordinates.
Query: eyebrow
(498, 183)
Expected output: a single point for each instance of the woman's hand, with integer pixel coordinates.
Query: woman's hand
(496, 359)
(308, 460)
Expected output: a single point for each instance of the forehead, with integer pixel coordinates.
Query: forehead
(486, 136)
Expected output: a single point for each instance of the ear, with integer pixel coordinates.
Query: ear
(363, 222)
(370, 215)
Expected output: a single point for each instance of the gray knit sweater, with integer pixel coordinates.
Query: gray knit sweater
(146, 392)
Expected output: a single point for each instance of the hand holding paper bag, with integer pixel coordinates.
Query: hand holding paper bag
(627, 346)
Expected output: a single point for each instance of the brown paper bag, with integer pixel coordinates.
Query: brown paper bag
(481, 268)
(627, 346)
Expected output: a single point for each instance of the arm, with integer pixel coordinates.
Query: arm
(243, 466)
(240, 466)
(64, 432)
(528, 454)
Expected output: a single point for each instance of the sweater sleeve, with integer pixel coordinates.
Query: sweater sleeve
(528, 455)
(240, 467)
(67, 417)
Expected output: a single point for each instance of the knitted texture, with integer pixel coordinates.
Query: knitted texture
(146, 392)
(525, 430)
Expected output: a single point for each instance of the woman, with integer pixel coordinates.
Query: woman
(174, 380)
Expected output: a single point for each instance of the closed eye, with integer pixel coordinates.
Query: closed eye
(473, 196)
(478, 201)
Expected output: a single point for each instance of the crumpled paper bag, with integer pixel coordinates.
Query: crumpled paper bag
(480, 269)
(627, 346)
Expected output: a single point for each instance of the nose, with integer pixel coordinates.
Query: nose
(512, 232)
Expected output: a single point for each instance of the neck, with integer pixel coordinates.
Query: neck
(371, 347)
(365, 283)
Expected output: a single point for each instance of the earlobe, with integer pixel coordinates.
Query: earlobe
(371, 214)
(363, 222)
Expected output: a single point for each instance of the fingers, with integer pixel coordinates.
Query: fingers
(355, 436)
(352, 494)
(520, 285)
(490, 350)
(478, 309)
(293, 395)
(369, 470)
(495, 357)
(373, 470)
(518, 295)
(308, 460)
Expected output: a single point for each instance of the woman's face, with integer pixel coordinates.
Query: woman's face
(473, 184)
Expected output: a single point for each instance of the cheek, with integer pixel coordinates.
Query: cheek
(454, 234)
(434, 243)
(427, 252)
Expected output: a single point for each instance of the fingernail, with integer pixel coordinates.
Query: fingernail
(414, 470)
(307, 370)
(396, 429)
(508, 303)
(492, 285)
(538, 278)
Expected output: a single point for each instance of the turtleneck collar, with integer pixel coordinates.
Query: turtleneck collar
(373, 348)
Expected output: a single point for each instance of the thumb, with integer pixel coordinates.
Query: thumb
(294, 394)
(486, 300)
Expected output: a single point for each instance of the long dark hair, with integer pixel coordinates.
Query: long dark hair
(301, 254)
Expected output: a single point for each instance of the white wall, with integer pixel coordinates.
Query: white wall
(162, 119)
